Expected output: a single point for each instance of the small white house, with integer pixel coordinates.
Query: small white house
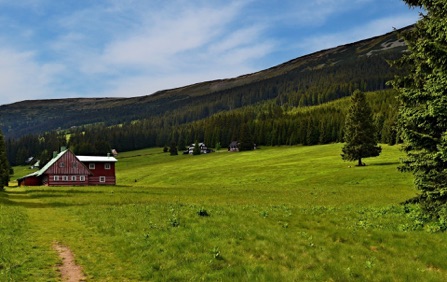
(203, 149)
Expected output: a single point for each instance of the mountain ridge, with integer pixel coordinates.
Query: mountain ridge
(35, 116)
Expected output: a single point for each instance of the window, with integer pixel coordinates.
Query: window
(91, 166)
(56, 178)
(102, 179)
(61, 164)
(73, 178)
(64, 178)
(81, 178)
(107, 166)
(74, 164)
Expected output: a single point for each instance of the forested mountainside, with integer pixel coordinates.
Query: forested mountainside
(309, 80)
(265, 123)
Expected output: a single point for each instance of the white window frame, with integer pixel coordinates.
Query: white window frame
(73, 178)
(102, 179)
(55, 177)
(61, 164)
(64, 178)
(81, 177)
(91, 166)
(107, 166)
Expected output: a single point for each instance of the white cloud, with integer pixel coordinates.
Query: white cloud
(178, 49)
(242, 37)
(21, 76)
(156, 45)
(245, 54)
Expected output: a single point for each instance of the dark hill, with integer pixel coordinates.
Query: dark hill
(309, 80)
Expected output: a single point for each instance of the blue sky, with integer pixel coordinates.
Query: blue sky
(125, 48)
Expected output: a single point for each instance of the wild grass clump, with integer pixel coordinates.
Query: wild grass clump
(202, 212)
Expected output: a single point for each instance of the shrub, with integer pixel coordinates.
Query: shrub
(202, 212)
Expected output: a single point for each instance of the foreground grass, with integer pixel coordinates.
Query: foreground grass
(276, 214)
(22, 258)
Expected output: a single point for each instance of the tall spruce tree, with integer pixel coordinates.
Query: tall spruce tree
(245, 140)
(423, 112)
(173, 149)
(196, 151)
(4, 164)
(360, 132)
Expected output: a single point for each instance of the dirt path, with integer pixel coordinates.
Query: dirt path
(70, 271)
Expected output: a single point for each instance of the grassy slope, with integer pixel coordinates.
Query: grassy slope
(289, 213)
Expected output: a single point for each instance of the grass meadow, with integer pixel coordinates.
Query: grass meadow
(274, 214)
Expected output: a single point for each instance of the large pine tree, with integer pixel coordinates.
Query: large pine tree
(423, 114)
(4, 165)
(360, 132)
(245, 140)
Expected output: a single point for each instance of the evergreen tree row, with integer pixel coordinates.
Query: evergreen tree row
(265, 123)
(4, 164)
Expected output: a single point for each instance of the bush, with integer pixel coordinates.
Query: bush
(203, 212)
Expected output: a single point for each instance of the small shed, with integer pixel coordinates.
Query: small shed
(30, 180)
(234, 147)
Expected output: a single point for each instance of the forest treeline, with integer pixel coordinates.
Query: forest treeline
(267, 123)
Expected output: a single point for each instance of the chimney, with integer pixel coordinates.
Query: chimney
(54, 154)
(63, 148)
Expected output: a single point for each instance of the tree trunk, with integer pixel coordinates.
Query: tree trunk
(360, 162)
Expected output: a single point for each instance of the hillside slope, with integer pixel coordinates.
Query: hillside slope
(308, 80)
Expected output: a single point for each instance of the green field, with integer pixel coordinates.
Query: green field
(274, 214)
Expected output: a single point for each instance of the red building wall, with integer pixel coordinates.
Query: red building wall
(31, 181)
(68, 164)
(65, 180)
(103, 173)
(66, 171)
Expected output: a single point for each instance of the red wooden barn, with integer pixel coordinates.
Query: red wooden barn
(66, 169)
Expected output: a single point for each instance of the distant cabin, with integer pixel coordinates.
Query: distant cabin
(35, 165)
(203, 149)
(67, 169)
(234, 147)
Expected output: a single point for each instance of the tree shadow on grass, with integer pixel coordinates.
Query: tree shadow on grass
(385, 163)
(13, 191)
(41, 196)
(23, 200)
(28, 204)
(29, 198)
